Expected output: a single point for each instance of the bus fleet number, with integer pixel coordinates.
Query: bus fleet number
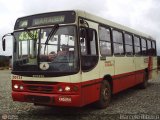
(17, 77)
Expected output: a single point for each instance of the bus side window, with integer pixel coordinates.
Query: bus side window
(89, 52)
(118, 43)
(144, 47)
(149, 48)
(105, 41)
(153, 48)
(88, 47)
(137, 46)
(128, 44)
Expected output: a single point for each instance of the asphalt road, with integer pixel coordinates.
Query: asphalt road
(133, 103)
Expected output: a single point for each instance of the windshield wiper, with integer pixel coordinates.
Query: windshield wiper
(53, 31)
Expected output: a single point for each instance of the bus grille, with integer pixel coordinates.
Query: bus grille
(40, 82)
(46, 89)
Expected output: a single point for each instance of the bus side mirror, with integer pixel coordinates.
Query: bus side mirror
(90, 33)
(82, 35)
(4, 44)
(4, 40)
(86, 33)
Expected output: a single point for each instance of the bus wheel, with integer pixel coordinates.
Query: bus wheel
(144, 84)
(105, 95)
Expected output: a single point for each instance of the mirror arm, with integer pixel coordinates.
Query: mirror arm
(8, 34)
(82, 21)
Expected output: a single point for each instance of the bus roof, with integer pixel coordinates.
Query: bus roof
(110, 23)
(100, 20)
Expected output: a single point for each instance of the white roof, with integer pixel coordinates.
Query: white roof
(110, 23)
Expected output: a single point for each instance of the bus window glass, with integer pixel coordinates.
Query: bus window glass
(137, 50)
(83, 41)
(117, 37)
(89, 52)
(93, 45)
(137, 45)
(23, 53)
(149, 44)
(144, 48)
(129, 50)
(136, 41)
(59, 53)
(83, 48)
(118, 43)
(143, 43)
(149, 50)
(104, 34)
(128, 44)
(105, 41)
(128, 39)
(153, 48)
(105, 48)
(118, 49)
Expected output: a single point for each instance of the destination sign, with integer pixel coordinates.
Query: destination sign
(48, 20)
(23, 23)
(62, 17)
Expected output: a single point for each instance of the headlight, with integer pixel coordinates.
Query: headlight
(16, 86)
(67, 89)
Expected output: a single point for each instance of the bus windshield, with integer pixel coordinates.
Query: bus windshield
(58, 54)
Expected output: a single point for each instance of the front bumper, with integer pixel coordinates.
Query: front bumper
(48, 99)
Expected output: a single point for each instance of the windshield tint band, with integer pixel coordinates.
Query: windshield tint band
(46, 19)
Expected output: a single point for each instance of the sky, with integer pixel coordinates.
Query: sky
(142, 15)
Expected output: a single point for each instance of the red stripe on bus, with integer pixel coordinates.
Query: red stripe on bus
(126, 80)
(88, 92)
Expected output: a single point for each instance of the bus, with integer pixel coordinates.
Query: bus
(73, 58)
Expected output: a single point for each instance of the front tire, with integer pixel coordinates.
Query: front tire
(105, 95)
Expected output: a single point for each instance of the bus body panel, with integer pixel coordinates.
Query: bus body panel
(154, 70)
(91, 77)
(125, 71)
(68, 79)
(107, 66)
(47, 99)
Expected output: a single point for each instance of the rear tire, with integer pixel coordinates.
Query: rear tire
(105, 95)
(144, 84)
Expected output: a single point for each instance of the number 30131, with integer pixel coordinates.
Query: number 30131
(17, 77)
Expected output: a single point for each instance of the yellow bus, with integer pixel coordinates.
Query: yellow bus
(74, 58)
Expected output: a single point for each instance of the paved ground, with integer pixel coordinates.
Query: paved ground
(133, 103)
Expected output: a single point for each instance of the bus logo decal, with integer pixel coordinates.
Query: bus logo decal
(109, 63)
(44, 66)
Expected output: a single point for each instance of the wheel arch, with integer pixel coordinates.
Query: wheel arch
(110, 80)
(147, 72)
